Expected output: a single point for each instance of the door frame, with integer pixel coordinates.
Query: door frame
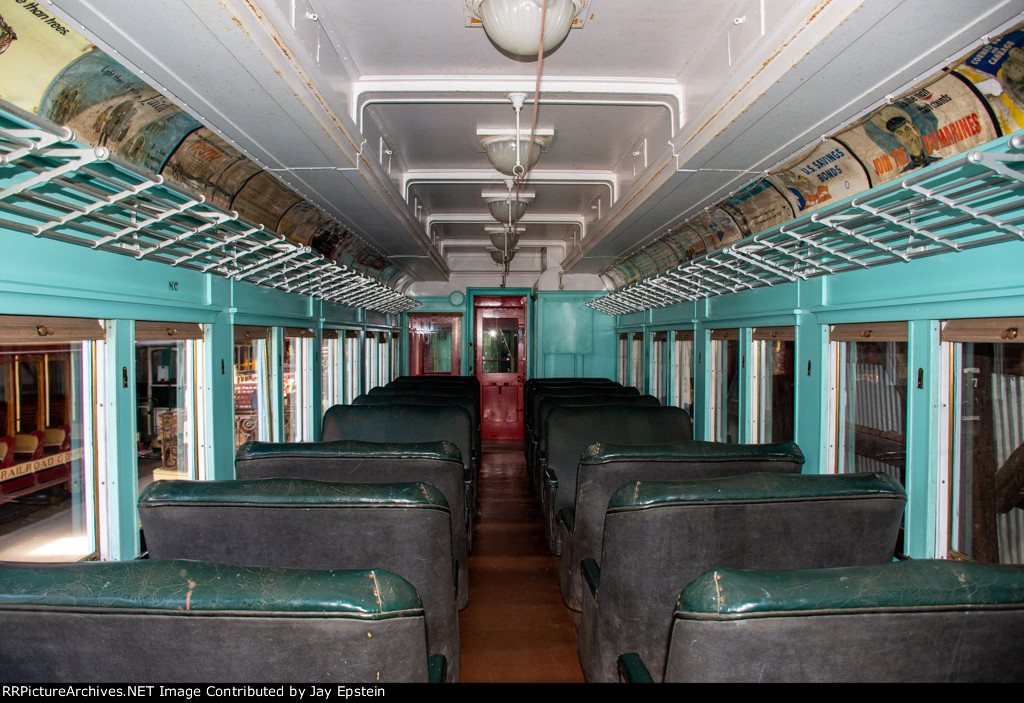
(469, 330)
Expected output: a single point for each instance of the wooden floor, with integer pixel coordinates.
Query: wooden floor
(516, 628)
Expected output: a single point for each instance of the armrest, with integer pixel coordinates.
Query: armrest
(437, 668)
(591, 574)
(550, 478)
(566, 516)
(632, 669)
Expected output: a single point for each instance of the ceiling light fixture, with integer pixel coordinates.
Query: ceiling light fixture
(515, 25)
(507, 149)
(504, 237)
(505, 207)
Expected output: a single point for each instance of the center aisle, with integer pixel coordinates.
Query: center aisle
(516, 628)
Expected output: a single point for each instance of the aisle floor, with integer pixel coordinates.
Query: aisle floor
(516, 628)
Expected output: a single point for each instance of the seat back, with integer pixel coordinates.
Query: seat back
(351, 461)
(910, 621)
(294, 523)
(570, 429)
(659, 536)
(606, 467)
(401, 422)
(539, 442)
(191, 621)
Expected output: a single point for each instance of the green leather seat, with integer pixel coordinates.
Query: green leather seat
(570, 429)
(352, 461)
(659, 536)
(909, 621)
(606, 467)
(187, 621)
(294, 523)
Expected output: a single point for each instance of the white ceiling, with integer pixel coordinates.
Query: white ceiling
(659, 107)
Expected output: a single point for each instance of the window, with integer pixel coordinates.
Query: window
(297, 392)
(682, 371)
(169, 378)
(371, 363)
(636, 361)
(623, 368)
(773, 355)
(987, 426)
(48, 437)
(331, 370)
(352, 368)
(434, 344)
(253, 407)
(871, 415)
(659, 366)
(725, 385)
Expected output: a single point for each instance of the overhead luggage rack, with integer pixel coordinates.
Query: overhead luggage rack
(52, 187)
(973, 199)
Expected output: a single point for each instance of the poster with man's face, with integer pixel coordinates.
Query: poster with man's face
(942, 119)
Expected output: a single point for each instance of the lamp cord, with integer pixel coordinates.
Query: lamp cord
(533, 125)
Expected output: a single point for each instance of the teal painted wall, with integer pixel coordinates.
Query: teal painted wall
(984, 282)
(45, 277)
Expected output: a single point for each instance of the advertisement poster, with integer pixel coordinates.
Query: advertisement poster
(302, 222)
(32, 37)
(687, 242)
(106, 105)
(206, 164)
(717, 228)
(997, 72)
(939, 120)
(758, 207)
(828, 173)
(264, 199)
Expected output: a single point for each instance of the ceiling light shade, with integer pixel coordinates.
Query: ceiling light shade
(499, 209)
(502, 152)
(499, 257)
(498, 237)
(514, 25)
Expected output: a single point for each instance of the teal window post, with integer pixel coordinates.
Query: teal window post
(118, 466)
(924, 438)
(811, 392)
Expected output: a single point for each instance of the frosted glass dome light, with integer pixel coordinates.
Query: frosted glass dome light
(514, 25)
(502, 152)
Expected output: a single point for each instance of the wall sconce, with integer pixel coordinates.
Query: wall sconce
(514, 25)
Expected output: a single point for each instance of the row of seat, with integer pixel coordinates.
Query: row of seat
(637, 520)
(387, 495)
(157, 621)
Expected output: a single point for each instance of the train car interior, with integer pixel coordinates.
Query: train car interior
(574, 254)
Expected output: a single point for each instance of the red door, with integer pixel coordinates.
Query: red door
(500, 364)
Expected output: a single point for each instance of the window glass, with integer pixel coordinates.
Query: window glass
(636, 360)
(298, 363)
(48, 438)
(252, 385)
(168, 377)
(725, 385)
(434, 344)
(331, 388)
(774, 351)
(659, 366)
(873, 408)
(988, 452)
(623, 370)
(351, 361)
(500, 345)
(682, 371)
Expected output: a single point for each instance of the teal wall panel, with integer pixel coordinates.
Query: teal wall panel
(571, 339)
